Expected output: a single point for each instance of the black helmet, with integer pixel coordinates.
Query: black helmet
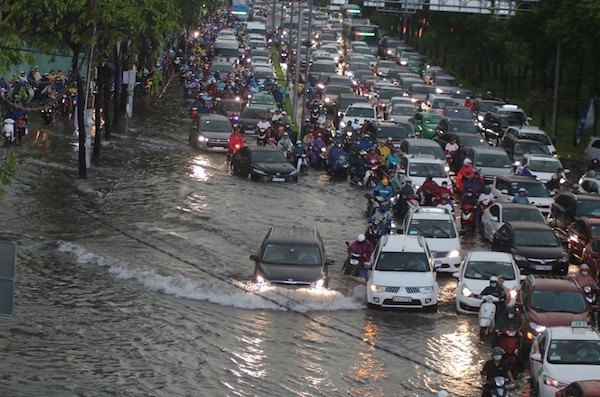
(498, 351)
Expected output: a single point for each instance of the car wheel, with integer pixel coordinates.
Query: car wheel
(253, 176)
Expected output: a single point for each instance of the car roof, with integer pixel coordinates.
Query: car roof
(213, 116)
(489, 256)
(428, 159)
(429, 213)
(542, 157)
(518, 178)
(296, 234)
(519, 206)
(403, 243)
(570, 333)
(362, 105)
(552, 282)
(489, 150)
(421, 142)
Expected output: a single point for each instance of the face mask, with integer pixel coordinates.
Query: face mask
(493, 284)
(511, 315)
(497, 357)
(584, 272)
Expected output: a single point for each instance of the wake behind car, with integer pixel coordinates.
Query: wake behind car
(263, 163)
(292, 256)
(210, 132)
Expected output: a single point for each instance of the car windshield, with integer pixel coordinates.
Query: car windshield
(543, 138)
(435, 151)
(442, 103)
(459, 113)
(544, 165)
(506, 122)
(558, 301)
(533, 189)
(432, 228)
(403, 111)
(253, 113)
(387, 64)
(402, 262)
(473, 141)
(322, 68)
(215, 125)
(522, 148)
(522, 214)
(390, 93)
(422, 89)
(268, 156)
(537, 238)
(483, 270)
(499, 160)
(292, 254)
(579, 352)
(432, 118)
(361, 112)
(396, 133)
(263, 100)
(264, 74)
(486, 106)
(463, 126)
(344, 103)
(333, 90)
(231, 105)
(227, 52)
(588, 207)
(425, 169)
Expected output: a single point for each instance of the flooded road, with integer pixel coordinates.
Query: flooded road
(135, 282)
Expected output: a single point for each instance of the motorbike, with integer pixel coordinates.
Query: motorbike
(487, 313)
(371, 178)
(9, 131)
(301, 162)
(353, 264)
(261, 136)
(593, 300)
(508, 340)
(21, 130)
(498, 387)
(467, 218)
(66, 105)
(339, 168)
(47, 114)
(193, 112)
(377, 229)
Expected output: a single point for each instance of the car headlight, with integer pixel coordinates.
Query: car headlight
(536, 327)
(518, 163)
(439, 90)
(454, 254)
(342, 124)
(258, 171)
(413, 100)
(426, 290)
(447, 168)
(403, 63)
(320, 86)
(202, 138)
(261, 280)
(512, 294)
(390, 52)
(466, 291)
(520, 258)
(377, 288)
(550, 381)
(327, 99)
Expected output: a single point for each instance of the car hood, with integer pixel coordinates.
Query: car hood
(554, 319)
(216, 134)
(495, 171)
(400, 118)
(402, 279)
(273, 168)
(539, 252)
(579, 372)
(292, 274)
(476, 286)
(443, 244)
(543, 176)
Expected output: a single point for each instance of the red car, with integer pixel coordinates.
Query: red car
(580, 233)
(582, 388)
(591, 256)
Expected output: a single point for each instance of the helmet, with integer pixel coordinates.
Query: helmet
(487, 189)
(389, 139)
(298, 143)
(349, 122)
(372, 149)
(384, 181)
(361, 237)
(584, 267)
(286, 134)
(467, 161)
(493, 279)
(497, 351)
(522, 190)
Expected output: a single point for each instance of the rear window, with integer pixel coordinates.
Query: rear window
(402, 262)
(292, 254)
(533, 215)
(558, 301)
(253, 113)
(215, 125)
(432, 228)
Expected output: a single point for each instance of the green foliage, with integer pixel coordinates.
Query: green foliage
(8, 169)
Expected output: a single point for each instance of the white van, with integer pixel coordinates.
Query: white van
(256, 27)
(402, 274)
(226, 50)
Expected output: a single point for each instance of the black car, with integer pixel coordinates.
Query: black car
(495, 124)
(482, 106)
(396, 131)
(466, 139)
(534, 247)
(293, 256)
(250, 116)
(516, 148)
(263, 163)
(567, 207)
(448, 125)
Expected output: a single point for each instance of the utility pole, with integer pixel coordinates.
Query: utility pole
(297, 70)
(308, 45)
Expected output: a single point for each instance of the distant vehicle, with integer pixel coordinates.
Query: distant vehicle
(263, 163)
(498, 213)
(210, 132)
(505, 188)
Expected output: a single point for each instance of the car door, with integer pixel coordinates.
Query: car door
(578, 237)
(500, 241)
(539, 345)
(492, 219)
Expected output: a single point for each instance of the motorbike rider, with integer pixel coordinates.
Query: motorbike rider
(334, 157)
(521, 198)
(468, 198)
(526, 172)
(348, 128)
(466, 171)
(317, 146)
(285, 119)
(358, 167)
(585, 279)
(385, 148)
(271, 142)
(445, 203)
(365, 143)
(508, 320)
(485, 199)
(458, 158)
(451, 147)
(362, 246)
(236, 141)
(495, 289)
(263, 124)
(277, 117)
(373, 157)
(493, 368)
(429, 189)
(285, 143)
(382, 217)
(383, 190)
(392, 161)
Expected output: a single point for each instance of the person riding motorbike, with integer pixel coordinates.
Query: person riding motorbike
(236, 141)
(495, 289)
(264, 124)
(383, 190)
(285, 143)
(337, 159)
(451, 147)
(585, 279)
(458, 158)
(363, 247)
(493, 368)
(509, 319)
(383, 218)
(392, 161)
(358, 167)
(521, 198)
(365, 143)
(385, 148)
(271, 142)
(317, 147)
(429, 190)
(373, 157)
(475, 183)
(446, 204)
(466, 171)
(485, 199)
(525, 171)
(468, 198)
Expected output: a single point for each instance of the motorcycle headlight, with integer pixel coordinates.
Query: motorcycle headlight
(537, 327)
(513, 294)
(480, 118)
(342, 124)
(466, 291)
(454, 254)
(377, 288)
(426, 290)
(327, 99)
(390, 52)
(439, 90)
(318, 284)
(447, 168)
(320, 86)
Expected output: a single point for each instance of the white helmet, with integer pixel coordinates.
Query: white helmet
(361, 237)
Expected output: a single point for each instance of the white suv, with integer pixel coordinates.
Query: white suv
(418, 167)
(358, 113)
(402, 274)
(437, 226)
(534, 133)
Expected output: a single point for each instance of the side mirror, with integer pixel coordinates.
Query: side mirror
(504, 191)
(437, 267)
(329, 262)
(536, 357)
(456, 274)
(368, 265)
(342, 115)
(403, 171)
(567, 171)
(452, 173)
(254, 257)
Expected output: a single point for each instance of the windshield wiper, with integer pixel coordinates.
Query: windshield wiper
(442, 230)
(422, 232)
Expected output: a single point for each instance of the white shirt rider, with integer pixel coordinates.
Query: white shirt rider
(486, 198)
(263, 124)
(277, 117)
(448, 206)
(451, 147)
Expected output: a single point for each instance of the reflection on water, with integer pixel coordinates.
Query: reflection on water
(198, 170)
(369, 370)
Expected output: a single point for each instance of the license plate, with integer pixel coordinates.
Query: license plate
(402, 299)
(543, 267)
(278, 179)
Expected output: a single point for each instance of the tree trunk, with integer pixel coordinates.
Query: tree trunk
(106, 105)
(118, 86)
(81, 125)
(100, 83)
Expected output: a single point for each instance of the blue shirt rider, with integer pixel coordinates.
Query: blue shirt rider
(521, 198)
(526, 172)
(334, 154)
(383, 190)
(392, 160)
(365, 143)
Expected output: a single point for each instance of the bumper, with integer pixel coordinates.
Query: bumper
(274, 178)
(402, 300)
(554, 267)
(466, 305)
(448, 265)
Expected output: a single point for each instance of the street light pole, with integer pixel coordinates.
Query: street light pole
(308, 45)
(297, 70)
